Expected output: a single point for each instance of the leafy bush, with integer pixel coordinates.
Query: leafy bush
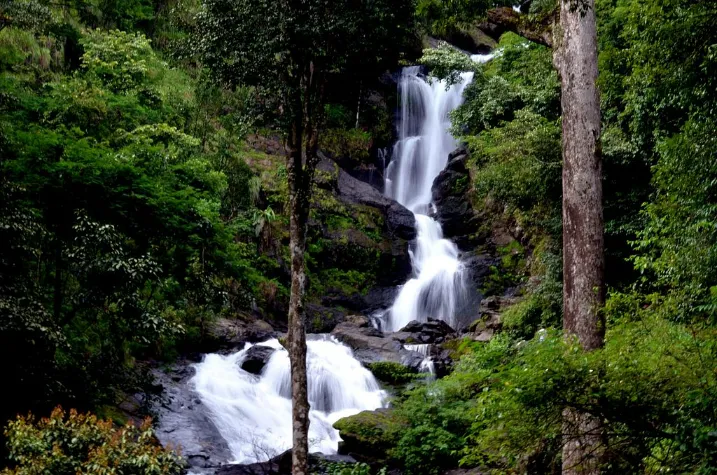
(653, 386)
(350, 469)
(350, 145)
(68, 444)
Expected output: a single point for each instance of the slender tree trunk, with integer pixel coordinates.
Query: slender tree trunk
(301, 174)
(575, 57)
(297, 333)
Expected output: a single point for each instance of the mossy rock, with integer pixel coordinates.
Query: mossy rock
(370, 436)
(393, 373)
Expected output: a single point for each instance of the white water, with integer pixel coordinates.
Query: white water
(253, 413)
(427, 365)
(420, 154)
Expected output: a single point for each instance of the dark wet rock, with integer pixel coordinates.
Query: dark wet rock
(471, 39)
(184, 423)
(281, 464)
(370, 345)
(399, 221)
(367, 343)
(377, 298)
(442, 361)
(230, 334)
(356, 228)
(432, 331)
(359, 321)
(256, 358)
(479, 266)
(489, 320)
(320, 319)
(458, 219)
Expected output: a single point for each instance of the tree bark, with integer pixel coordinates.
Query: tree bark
(301, 166)
(296, 337)
(575, 57)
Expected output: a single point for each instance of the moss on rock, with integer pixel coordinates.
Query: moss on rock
(392, 373)
(370, 436)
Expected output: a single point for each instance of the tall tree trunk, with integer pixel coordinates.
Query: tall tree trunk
(575, 57)
(301, 174)
(297, 334)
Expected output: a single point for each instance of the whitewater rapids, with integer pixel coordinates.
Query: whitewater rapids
(253, 413)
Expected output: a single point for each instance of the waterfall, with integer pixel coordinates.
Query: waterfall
(427, 365)
(253, 413)
(421, 153)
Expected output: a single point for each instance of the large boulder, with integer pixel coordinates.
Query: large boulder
(399, 221)
(256, 358)
(232, 333)
(430, 332)
(182, 419)
(360, 246)
(368, 436)
(377, 298)
(370, 345)
(454, 211)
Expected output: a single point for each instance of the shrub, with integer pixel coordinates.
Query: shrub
(69, 444)
(352, 145)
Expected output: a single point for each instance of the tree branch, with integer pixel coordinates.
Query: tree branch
(538, 29)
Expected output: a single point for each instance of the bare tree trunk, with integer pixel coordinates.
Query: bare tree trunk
(575, 57)
(301, 175)
(297, 334)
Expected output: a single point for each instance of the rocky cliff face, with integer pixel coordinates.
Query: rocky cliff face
(358, 244)
(359, 251)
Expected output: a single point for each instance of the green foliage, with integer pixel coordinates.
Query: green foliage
(676, 248)
(441, 17)
(117, 59)
(259, 44)
(350, 469)
(510, 271)
(392, 373)
(350, 145)
(446, 62)
(67, 444)
(510, 122)
(121, 224)
(502, 407)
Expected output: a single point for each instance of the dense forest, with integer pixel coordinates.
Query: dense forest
(183, 177)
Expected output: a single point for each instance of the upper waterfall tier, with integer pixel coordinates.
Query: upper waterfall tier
(424, 141)
(421, 153)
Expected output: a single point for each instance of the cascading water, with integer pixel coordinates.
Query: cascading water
(427, 365)
(420, 154)
(253, 413)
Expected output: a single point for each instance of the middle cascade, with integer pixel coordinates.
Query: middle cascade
(421, 153)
